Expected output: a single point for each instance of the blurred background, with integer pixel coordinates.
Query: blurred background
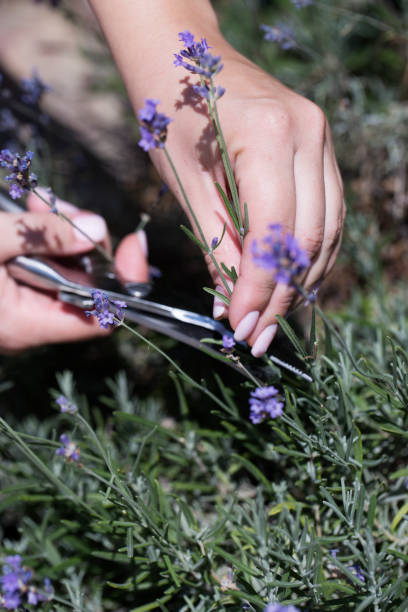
(62, 97)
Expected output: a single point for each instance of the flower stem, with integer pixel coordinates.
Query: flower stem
(208, 249)
(97, 246)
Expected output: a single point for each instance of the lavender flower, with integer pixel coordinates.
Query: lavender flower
(15, 584)
(208, 92)
(280, 33)
(301, 3)
(20, 179)
(283, 254)
(228, 342)
(8, 122)
(214, 242)
(333, 552)
(69, 449)
(196, 58)
(106, 309)
(356, 570)
(33, 89)
(276, 607)
(65, 405)
(264, 403)
(154, 126)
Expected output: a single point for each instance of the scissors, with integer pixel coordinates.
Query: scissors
(75, 285)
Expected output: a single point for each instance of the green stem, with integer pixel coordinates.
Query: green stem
(188, 378)
(97, 246)
(213, 110)
(329, 324)
(209, 251)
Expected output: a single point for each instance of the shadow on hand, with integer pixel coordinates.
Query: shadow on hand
(35, 237)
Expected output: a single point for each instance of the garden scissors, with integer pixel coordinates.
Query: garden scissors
(75, 285)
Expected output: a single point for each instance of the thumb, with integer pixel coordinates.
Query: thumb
(131, 258)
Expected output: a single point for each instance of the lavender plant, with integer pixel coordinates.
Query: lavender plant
(301, 506)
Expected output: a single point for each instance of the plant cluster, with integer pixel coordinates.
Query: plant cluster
(277, 496)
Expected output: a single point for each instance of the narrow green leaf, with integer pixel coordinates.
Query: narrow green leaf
(253, 470)
(194, 238)
(228, 206)
(217, 294)
(290, 333)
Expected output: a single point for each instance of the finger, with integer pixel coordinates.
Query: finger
(86, 225)
(334, 219)
(130, 258)
(270, 201)
(37, 318)
(41, 233)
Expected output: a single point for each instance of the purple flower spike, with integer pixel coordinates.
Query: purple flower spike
(65, 405)
(280, 33)
(69, 449)
(21, 179)
(106, 309)
(228, 342)
(153, 129)
(282, 254)
(301, 3)
(196, 58)
(276, 607)
(264, 403)
(33, 89)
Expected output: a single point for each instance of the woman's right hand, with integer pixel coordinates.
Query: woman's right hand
(30, 317)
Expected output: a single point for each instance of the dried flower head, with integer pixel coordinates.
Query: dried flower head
(21, 179)
(153, 127)
(282, 254)
(265, 403)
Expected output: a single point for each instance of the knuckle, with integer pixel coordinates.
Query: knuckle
(312, 242)
(333, 234)
(315, 119)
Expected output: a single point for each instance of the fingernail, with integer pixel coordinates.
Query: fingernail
(246, 325)
(219, 308)
(93, 226)
(141, 235)
(263, 341)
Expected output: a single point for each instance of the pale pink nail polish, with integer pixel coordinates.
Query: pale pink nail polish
(246, 325)
(141, 235)
(219, 308)
(263, 341)
(93, 226)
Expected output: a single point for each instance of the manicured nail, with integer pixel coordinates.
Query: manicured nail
(263, 341)
(246, 325)
(219, 308)
(93, 226)
(141, 235)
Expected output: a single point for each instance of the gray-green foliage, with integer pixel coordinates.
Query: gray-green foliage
(178, 514)
(201, 510)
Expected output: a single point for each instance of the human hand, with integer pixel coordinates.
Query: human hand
(285, 169)
(30, 318)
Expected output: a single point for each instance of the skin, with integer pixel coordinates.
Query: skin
(279, 144)
(30, 318)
